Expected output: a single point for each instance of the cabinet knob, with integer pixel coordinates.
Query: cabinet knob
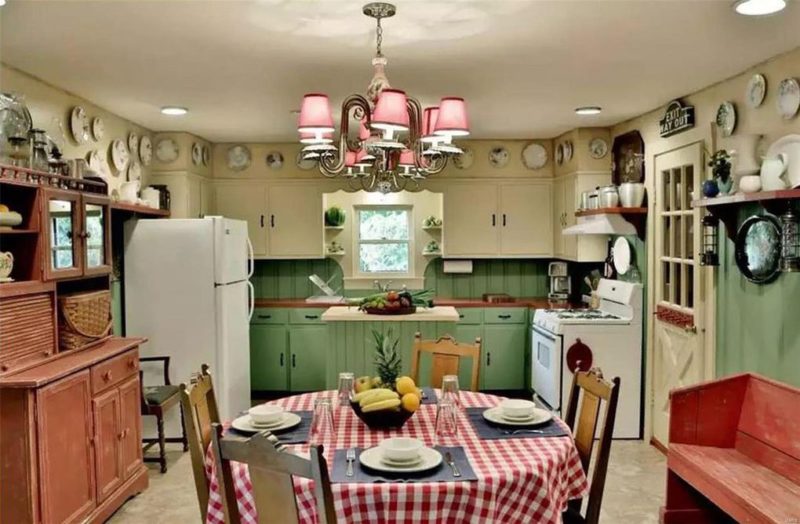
(47, 353)
(3, 367)
(107, 376)
(131, 363)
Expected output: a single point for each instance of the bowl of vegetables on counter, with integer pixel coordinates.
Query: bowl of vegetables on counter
(395, 302)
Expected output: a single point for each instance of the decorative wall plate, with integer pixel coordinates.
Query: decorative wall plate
(304, 163)
(134, 171)
(622, 255)
(498, 157)
(98, 129)
(465, 159)
(197, 153)
(206, 155)
(238, 158)
(534, 156)
(758, 248)
(598, 148)
(726, 118)
(788, 98)
(560, 154)
(79, 125)
(274, 160)
(145, 150)
(96, 162)
(568, 150)
(119, 155)
(133, 144)
(167, 150)
(756, 90)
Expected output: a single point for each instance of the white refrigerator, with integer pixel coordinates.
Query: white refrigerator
(187, 290)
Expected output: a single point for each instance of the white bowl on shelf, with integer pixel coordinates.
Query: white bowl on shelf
(750, 184)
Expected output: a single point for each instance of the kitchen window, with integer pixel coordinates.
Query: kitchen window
(384, 241)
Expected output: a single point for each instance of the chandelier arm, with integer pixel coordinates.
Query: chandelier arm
(332, 165)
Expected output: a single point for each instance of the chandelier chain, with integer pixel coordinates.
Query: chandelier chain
(379, 36)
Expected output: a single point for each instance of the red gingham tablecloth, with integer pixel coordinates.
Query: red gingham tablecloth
(519, 479)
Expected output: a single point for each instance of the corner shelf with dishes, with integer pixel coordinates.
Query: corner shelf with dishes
(726, 208)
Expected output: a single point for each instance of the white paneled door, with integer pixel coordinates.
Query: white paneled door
(680, 353)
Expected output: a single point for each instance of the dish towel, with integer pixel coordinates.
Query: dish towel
(441, 473)
(487, 430)
(295, 435)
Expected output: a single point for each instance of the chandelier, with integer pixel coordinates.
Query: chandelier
(397, 146)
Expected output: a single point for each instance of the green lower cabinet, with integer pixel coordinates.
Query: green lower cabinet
(503, 356)
(269, 369)
(308, 351)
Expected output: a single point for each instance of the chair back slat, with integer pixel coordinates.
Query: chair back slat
(271, 472)
(446, 354)
(199, 407)
(596, 391)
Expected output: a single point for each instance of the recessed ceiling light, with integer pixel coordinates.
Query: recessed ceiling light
(588, 110)
(174, 110)
(758, 7)
(2, 3)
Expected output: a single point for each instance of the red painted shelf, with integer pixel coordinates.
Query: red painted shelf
(142, 210)
(612, 211)
(740, 198)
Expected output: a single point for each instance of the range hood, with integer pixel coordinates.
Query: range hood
(601, 224)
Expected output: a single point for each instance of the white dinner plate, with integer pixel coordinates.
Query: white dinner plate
(245, 424)
(622, 255)
(495, 415)
(373, 459)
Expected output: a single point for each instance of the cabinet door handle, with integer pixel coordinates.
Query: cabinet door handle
(461, 315)
(504, 220)
(265, 316)
(504, 317)
(107, 376)
(281, 359)
(294, 360)
(488, 358)
(262, 220)
(494, 220)
(312, 317)
(131, 363)
(272, 221)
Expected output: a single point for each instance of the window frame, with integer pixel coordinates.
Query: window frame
(357, 242)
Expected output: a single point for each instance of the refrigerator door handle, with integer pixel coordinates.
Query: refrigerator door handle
(251, 259)
(252, 306)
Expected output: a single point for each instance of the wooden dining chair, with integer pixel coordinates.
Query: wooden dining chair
(156, 401)
(446, 353)
(271, 471)
(596, 390)
(199, 407)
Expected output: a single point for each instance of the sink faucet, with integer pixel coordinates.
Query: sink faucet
(382, 287)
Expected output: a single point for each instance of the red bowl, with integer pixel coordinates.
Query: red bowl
(383, 419)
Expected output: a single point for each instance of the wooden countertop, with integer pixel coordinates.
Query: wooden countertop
(69, 362)
(353, 314)
(529, 302)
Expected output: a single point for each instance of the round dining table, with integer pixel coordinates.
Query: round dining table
(523, 479)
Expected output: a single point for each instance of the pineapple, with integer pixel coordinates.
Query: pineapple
(387, 359)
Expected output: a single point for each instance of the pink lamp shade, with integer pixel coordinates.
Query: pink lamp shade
(429, 117)
(315, 114)
(350, 159)
(363, 158)
(316, 138)
(391, 113)
(406, 158)
(452, 119)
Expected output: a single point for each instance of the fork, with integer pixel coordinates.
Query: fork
(351, 458)
(519, 431)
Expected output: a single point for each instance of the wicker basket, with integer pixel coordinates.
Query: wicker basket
(84, 318)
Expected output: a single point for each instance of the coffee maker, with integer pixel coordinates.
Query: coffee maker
(560, 285)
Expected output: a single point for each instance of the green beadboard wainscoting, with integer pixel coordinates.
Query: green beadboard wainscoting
(758, 326)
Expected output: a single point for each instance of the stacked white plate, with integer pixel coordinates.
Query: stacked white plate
(514, 412)
(400, 454)
(246, 423)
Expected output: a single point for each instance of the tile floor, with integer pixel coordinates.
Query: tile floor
(634, 489)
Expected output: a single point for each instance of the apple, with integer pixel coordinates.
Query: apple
(376, 382)
(363, 384)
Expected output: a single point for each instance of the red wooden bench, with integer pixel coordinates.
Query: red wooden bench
(734, 452)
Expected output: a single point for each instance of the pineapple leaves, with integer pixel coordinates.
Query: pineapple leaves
(387, 358)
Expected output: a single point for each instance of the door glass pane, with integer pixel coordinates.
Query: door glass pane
(688, 185)
(690, 287)
(676, 284)
(666, 251)
(688, 236)
(95, 248)
(666, 281)
(62, 220)
(675, 231)
(678, 189)
(666, 190)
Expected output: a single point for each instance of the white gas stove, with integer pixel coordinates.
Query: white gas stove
(610, 337)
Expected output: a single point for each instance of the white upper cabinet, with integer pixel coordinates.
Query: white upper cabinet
(246, 200)
(470, 220)
(295, 221)
(567, 191)
(525, 219)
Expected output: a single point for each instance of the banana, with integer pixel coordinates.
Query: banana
(382, 404)
(358, 397)
(378, 396)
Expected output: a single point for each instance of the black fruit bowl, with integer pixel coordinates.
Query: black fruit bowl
(386, 311)
(383, 419)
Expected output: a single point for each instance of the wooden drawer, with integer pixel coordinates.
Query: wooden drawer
(306, 315)
(269, 315)
(502, 315)
(470, 315)
(114, 370)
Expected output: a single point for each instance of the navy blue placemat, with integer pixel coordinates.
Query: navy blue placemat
(295, 435)
(429, 396)
(442, 473)
(487, 430)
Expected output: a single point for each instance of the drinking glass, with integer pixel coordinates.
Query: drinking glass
(346, 383)
(322, 426)
(446, 419)
(450, 390)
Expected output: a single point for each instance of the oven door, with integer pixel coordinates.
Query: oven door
(546, 364)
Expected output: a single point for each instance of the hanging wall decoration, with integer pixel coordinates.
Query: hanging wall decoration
(677, 119)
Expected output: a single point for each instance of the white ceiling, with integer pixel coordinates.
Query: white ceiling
(523, 66)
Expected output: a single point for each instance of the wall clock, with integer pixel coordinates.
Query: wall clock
(534, 156)
(167, 150)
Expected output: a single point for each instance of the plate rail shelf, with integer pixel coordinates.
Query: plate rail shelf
(726, 208)
(32, 178)
(635, 215)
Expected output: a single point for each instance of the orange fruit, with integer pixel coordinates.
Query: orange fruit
(405, 385)
(410, 402)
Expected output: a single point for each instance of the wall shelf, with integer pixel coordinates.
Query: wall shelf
(139, 210)
(612, 211)
(726, 208)
(18, 231)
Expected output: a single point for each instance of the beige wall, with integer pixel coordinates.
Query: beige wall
(47, 103)
(581, 158)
